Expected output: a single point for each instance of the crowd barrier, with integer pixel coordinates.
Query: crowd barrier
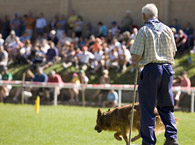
(117, 87)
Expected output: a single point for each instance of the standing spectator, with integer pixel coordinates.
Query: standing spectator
(102, 31)
(104, 79)
(155, 83)
(127, 22)
(53, 23)
(74, 92)
(40, 24)
(190, 33)
(1, 40)
(114, 28)
(61, 24)
(71, 21)
(111, 100)
(78, 26)
(90, 30)
(16, 24)
(174, 24)
(29, 24)
(3, 58)
(184, 81)
(5, 27)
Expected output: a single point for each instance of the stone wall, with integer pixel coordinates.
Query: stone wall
(104, 10)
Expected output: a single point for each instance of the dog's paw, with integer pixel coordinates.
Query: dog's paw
(117, 137)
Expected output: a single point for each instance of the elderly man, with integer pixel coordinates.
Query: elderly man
(154, 48)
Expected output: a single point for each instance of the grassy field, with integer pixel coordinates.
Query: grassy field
(69, 125)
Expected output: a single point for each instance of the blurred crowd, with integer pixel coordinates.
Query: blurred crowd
(75, 43)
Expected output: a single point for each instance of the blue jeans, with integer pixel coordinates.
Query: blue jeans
(155, 85)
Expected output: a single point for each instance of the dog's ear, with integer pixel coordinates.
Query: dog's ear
(99, 113)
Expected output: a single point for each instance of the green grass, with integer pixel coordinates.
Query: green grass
(68, 125)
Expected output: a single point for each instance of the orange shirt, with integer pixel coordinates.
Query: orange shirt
(30, 21)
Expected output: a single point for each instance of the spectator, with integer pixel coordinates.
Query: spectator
(5, 27)
(83, 78)
(112, 99)
(114, 28)
(104, 79)
(78, 26)
(84, 58)
(90, 30)
(183, 81)
(24, 53)
(71, 21)
(1, 40)
(15, 24)
(52, 37)
(174, 24)
(189, 32)
(53, 23)
(74, 92)
(54, 78)
(112, 58)
(127, 22)
(40, 76)
(134, 33)
(29, 24)
(181, 41)
(74, 39)
(4, 90)
(124, 57)
(11, 38)
(40, 24)
(3, 58)
(102, 31)
(61, 24)
(24, 37)
(25, 90)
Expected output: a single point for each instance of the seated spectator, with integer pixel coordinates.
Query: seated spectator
(24, 53)
(10, 38)
(104, 79)
(52, 37)
(1, 40)
(24, 37)
(52, 55)
(3, 58)
(28, 76)
(124, 57)
(112, 99)
(84, 58)
(183, 81)
(102, 31)
(126, 37)
(74, 39)
(54, 78)
(40, 76)
(13, 48)
(4, 90)
(70, 58)
(83, 78)
(181, 41)
(74, 92)
(112, 58)
(134, 33)
(98, 62)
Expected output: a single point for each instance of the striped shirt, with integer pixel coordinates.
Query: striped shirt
(154, 46)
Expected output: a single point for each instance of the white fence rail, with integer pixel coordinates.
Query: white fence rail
(118, 87)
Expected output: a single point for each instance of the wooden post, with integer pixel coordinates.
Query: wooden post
(83, 95)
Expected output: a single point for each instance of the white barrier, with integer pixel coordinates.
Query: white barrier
(118, 87)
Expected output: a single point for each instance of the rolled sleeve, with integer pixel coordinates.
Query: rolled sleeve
(139, 43)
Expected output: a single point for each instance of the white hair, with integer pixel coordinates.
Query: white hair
(150, 10)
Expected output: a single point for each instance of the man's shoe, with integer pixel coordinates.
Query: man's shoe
(171, 142)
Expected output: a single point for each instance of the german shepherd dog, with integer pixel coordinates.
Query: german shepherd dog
(118, 120)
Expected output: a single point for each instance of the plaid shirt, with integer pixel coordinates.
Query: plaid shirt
(154, 46)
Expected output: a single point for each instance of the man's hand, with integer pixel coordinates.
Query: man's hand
(135, 60)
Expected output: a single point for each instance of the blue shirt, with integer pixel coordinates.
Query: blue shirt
(40, 77)
(112, 96)
(103, 30)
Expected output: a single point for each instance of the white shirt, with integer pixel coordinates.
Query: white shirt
(85, 56)
(99, 55)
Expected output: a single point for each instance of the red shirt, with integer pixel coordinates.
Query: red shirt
(185, 82)
(56, 79)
